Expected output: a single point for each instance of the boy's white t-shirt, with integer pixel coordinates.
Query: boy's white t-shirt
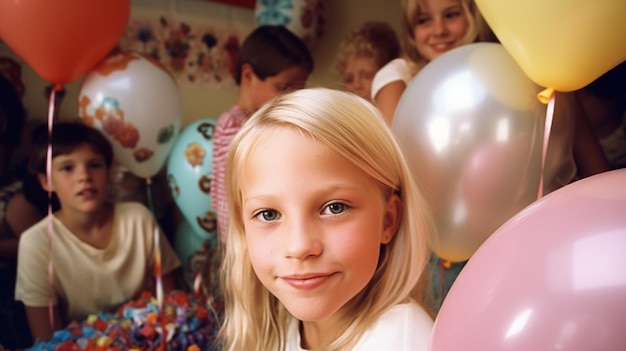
(404, 327)
(87, 280)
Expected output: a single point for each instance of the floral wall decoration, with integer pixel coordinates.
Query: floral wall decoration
(305, 18)
(195, 54)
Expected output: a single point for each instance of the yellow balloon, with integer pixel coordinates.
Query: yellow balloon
(560, 44)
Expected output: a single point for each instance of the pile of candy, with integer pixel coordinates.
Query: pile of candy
(191, 325)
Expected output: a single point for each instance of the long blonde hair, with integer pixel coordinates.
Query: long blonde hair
(477, 31)
(354, 129)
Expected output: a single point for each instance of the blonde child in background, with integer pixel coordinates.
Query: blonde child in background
(102, 253)
(362, 53)
(328, 236)
(272, 61)
(430, 28)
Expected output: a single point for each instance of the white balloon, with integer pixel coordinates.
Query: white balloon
(135, 102)
(471, 128)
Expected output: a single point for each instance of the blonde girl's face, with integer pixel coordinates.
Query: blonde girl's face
(359, 74)
(313, 223)
(441, 26)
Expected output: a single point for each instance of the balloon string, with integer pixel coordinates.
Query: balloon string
(197, 283)
(149, 194)
(51, 113)
(158, 270)
(158, 274)
(546, 138)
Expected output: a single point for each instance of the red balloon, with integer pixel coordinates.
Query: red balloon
(62, 39)
(550, 278)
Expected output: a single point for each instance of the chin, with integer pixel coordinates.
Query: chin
(312, 311)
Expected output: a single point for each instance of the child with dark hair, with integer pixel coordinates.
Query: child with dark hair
(102, 252)
(272, 61)
(603, 106)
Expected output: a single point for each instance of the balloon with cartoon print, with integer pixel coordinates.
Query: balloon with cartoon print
(194, 252)
(135, 102)
(189, 175)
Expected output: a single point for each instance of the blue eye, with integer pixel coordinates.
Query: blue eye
(335, 208)
(267, 215)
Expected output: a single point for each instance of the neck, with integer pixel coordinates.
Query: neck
(91, 224)
(245, 101)
(319, 334)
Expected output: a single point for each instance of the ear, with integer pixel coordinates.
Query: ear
(247, 73)
(43, 181)
(393, 216)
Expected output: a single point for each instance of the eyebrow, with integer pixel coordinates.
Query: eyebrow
(325, 192)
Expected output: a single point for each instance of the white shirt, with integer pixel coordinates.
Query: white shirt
(87, 280)
(404, 327)
(395, 70)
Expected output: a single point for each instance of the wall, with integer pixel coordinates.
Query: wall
(342, 17)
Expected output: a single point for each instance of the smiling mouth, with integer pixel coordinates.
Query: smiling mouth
(308, 282)
(442, 46)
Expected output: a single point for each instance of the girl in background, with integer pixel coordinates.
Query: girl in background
(430, 28)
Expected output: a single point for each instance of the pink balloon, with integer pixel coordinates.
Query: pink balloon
(550, 278)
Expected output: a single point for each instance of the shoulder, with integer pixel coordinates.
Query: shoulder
(131, 209)
(397, 66)
(130, 206)
(403, 327)
(234, 117)
(35, 236)
(395, 70)
(410, 312)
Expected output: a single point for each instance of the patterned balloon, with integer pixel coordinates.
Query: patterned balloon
(195, 253)
(305, 18)
(189, 175)
(135, 102)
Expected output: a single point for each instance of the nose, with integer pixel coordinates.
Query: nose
(439, 27)
(301, 240)
(84, 173)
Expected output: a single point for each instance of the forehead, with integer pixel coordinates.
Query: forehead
(82, 150)
(436, 5)
(361, 61)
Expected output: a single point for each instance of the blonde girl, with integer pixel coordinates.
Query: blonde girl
(429, 29)
(328, 234)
